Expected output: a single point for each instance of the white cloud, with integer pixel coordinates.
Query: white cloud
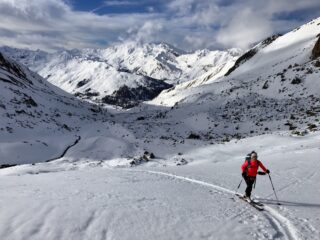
(61, 26)
(252, 20)
(188, 24)
(148, 31)
(244, 28)
(238, 23)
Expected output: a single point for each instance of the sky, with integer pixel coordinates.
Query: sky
(187, 24)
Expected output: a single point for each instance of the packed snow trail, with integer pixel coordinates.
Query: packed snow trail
(279, 222)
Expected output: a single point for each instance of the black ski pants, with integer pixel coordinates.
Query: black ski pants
(249, 181)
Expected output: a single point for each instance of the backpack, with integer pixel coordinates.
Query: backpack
(248, 159)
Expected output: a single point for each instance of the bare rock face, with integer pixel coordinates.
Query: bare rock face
(127, 97)
(13, 69)
(316, 50)
(245, 57)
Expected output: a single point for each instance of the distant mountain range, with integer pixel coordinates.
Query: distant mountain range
(176, 100)
(129, 71)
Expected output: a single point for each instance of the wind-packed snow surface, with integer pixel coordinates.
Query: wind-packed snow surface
(168, 168)
(95, 200)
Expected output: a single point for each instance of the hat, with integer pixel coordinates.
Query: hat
(254, 153)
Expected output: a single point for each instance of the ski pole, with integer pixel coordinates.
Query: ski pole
(273, 189)
(238, 187)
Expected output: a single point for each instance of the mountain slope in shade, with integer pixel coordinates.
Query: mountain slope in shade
(34, 115)
(98, 74)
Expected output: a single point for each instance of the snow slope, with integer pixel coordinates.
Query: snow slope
(37, 119)
(176, 202)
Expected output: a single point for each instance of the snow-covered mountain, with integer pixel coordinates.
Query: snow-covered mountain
(273, 86)
(36, 117)
(168, 168)
(127, 72)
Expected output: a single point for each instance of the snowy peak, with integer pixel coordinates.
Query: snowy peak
(153, 60)
(99, 74)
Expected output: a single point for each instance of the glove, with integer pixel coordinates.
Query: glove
(244, 174)
(268, 171)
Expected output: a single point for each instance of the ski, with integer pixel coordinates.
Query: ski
(253, 203)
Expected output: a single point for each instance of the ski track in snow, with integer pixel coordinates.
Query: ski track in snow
(281, 224)
(298, 181)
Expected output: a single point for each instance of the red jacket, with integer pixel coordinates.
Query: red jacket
(253, 168)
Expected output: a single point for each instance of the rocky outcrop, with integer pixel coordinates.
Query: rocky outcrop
(130, 97)
(245, 57)
(316, 50)
(249, 54)
(12, 68)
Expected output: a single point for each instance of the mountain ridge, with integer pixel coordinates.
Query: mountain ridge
(274, 91)
(102, 72)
